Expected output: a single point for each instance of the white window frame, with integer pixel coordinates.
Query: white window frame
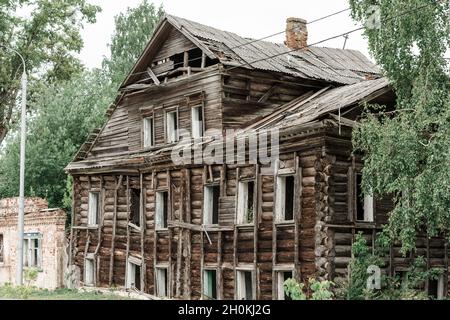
(205, 290)
(148, 134)
(89, 270)
(368, 207)
(242, 203)
(132, 263)
(197, 125)
(159, 210)
(241, 285)
(30, 260)
(94, 209)
(208, 205)
(159, 272)
(280, 199)
(279, 282)
(140, 214)
(172, 121)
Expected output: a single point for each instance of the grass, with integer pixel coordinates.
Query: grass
(31, 293)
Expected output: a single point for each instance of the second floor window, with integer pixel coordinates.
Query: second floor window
(94, 208)
(162, 206)
(172, 126)
(211, 205)
(285, 199)
(197, 122)
(246, 203)
(148, 135)
(135, 207)
(364, 203)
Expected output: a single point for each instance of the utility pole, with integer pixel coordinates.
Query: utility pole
(23, 132)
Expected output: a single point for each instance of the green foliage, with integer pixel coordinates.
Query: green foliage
(406, 151)
(392, 287)
(30, 275)
(67, 113)
(48, 40)
(318, 290)
(133, 31)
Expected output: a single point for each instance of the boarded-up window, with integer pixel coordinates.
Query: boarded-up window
(135, 207)
(210, 284)
(162, 205)
(172, 126)
(134, 275)
(94, 208)
(32, 250)
(197, 122)
(1, 249)
(89, 269)
(281, 277)
(364, 203)
(149, 133)
(161, 282)
(246, 203)
(245, 285)
(211, 205)
(285, 198)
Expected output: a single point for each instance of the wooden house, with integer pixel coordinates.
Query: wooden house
(200, 230)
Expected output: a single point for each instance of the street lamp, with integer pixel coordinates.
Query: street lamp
(23, 129)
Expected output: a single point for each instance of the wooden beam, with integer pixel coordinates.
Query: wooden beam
(267, 95)
(153, 76)
(297, 215)
(111, 259)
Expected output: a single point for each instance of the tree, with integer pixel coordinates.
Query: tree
(133, 31)
(47, 40)
(67, 113)
(406, 151)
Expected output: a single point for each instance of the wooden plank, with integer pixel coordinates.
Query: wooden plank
(111, 261)
(298, 214)
(153, 76)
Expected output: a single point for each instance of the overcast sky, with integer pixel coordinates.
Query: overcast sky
(249, 18)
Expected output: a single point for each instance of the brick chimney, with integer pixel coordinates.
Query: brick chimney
(296, 33)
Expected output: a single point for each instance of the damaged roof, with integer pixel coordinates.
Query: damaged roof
(339, 66)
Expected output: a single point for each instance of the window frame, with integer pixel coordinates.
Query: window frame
(210, 220)
(279, 285)
(132, 263)
(166, 218)
(91, 259)
(240, 283)
(2, 249)
(242, 202)
(202, 122)
(152, 134)
(98, 209)
(166, 124)
(368, 202)
(140, 209)
(204, 282)
(158, 269)
(280, 199)
(28, 250)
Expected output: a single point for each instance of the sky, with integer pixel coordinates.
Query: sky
(248, 18)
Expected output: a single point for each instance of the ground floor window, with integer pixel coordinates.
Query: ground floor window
(89, 271)
(436, 287)
(134, 274)
(281, 277)
(32, 250)
(210, 284)
(161, 281)
(1, 249)
(244, 285)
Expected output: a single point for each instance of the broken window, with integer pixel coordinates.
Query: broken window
(89, 271)
(197, 122)
(135, 207)
(246, 203)
(436, 287)
(210, 284)
(1, 249)
(149, 133)
(134, 274)
(282, 276)
(211, 205)
(364, 203)
(162, 205)
(285, 198)
(244, 285)
(172, 126)
(161, 282)
(32, 250)
(94, 209)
